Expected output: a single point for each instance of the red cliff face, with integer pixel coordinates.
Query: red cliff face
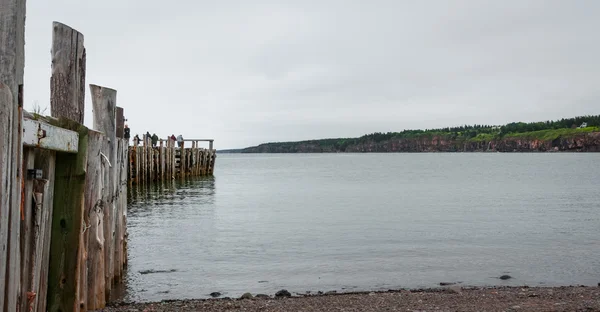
(584, 142)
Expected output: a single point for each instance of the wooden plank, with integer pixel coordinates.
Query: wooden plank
(93, 216)
(45, 160)
(104, 101)
(40, 189)
(67, 83)
(198, 140)
(67, 219)
(42, 135)
(27, 218)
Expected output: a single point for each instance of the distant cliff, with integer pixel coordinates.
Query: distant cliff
(581, 142)
(581, 134)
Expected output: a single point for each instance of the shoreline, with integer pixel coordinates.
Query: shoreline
(447, 298)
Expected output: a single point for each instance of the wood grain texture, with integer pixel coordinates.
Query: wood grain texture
(67, 219)
(6, 111)
(93, 218)
(40, 189)
(46, 161)
(104, 101)
(67, 83)
(12, 63)
(27, 224)
(122, 211)
(118, 248)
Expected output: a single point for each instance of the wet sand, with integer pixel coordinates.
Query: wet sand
(453, 298)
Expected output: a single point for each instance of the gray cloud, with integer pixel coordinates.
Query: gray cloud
(246, 72)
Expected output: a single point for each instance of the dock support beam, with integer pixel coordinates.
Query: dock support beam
(12, 64)
(104, 101)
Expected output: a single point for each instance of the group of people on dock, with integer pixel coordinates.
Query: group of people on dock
(152, 138)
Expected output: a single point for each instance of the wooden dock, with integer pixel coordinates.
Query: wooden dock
(63, 187)
(168, 161)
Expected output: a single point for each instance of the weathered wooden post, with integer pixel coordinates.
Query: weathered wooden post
(182, 160)
(161, 160)
(104, 101)
(143, 161)
(122, 211)
(151, 161)
(138, 159)
(93, 218)
(131, 164)
(12, 63)
(117, 168)
(68, 73)
(67, 96)
(210, 145)
(169, 160)
(67, 219)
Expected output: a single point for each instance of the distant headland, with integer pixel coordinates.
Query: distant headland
(577, 134)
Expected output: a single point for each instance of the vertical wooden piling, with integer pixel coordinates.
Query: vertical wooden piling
(149, 161)
(12, 46)
(67, 84)
(67, 219)
(122, 211)
(182, 160)
(161, 161)
(137, 164)
(67, 89)
(104, 102)
(93, 218)
(143, 164)
(118, 249)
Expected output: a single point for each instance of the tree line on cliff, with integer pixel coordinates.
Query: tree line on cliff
(543, 130)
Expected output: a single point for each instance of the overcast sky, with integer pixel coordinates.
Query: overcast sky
(248, 72)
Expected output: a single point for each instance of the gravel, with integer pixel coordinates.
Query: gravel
(453, 298)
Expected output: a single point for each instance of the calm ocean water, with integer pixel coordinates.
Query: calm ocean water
(310, 222)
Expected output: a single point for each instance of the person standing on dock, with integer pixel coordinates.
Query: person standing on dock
(126, 132)
(136, 140)
(154, 139)
(179, 140)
